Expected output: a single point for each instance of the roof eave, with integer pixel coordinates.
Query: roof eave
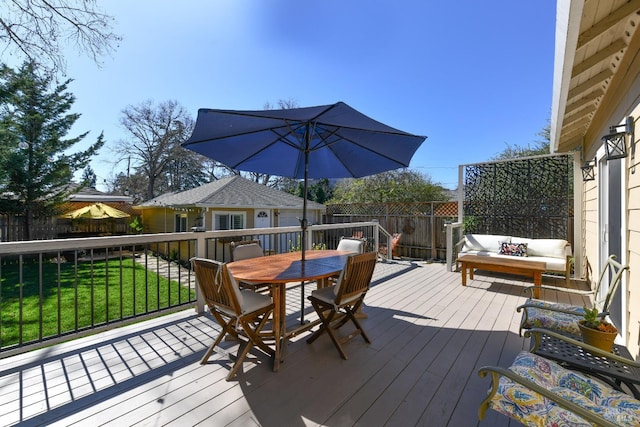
(568, 20)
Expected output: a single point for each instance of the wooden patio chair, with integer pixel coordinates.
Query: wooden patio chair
(245, 249)
(241, 313)
(539, 392)
(383, 249)
(351, 244)
(337, 304)
(564, 317)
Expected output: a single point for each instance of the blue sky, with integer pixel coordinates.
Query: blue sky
(472, 76)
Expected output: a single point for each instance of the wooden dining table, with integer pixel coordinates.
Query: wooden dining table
(280, 269)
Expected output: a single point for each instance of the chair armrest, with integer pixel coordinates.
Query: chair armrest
(535, 343)
(529, 290)
(556, 309)
(496, 372)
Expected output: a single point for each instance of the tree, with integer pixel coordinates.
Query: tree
(319, 190)
(154, 149)
(402, 185)
(539, 147)
(33, 122)
(38, 30)
(89, 177)
(133, 185)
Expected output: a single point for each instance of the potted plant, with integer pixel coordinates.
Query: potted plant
(596, 331)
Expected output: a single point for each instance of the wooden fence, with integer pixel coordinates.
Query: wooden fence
(12, 229)
(422, 224)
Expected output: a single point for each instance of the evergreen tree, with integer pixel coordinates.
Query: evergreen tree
(34, 120)
(89, 177)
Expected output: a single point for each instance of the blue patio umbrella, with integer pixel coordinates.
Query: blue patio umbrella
(326, 141)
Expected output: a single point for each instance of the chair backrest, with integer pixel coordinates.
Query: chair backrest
(246, 249)
(356, 277)
(218, 287)
(352, 245)
(613, 271)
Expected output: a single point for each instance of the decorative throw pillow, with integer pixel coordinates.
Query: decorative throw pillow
(513, 249)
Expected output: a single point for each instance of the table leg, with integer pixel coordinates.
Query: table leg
(283, 321)
(463, 270)
(278, 321)
(537, 282)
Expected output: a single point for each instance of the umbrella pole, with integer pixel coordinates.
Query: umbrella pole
(303, 224)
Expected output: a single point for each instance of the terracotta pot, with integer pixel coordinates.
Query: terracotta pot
(596, 338)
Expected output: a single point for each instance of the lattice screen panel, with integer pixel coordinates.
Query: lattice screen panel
(523, 197)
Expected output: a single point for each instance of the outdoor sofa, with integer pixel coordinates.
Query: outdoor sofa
(555, 253)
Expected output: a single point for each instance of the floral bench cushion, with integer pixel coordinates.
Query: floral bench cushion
(538, 317)
(532, 409)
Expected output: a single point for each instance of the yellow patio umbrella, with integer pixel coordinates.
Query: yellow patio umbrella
(96, 211)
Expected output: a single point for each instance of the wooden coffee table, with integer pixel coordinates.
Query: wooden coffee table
(533, 269)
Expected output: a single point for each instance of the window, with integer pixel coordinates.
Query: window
(181, 223)
(229, 221)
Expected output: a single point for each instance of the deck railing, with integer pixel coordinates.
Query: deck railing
(55, 290)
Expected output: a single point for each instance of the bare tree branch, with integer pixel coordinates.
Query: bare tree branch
(38, 30)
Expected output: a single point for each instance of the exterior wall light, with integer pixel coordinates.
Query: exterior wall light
(615, 143)
(588, 170)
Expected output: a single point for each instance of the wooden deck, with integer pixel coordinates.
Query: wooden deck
(429, 337)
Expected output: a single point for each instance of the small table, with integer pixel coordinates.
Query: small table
(517, 266)
(284, 268)
(612, 370)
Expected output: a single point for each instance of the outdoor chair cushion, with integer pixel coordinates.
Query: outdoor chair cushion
(252, 250)
(565, 322)
(355, 246)
(532, 409)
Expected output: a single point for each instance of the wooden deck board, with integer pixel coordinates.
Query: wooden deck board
(429, 337)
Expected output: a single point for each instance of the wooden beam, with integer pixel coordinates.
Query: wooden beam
(587, 99)
(590, 83)
(568, 119)
(580, 124)
(607, 22)
(620, 95)
(601, 55)
(571, 142)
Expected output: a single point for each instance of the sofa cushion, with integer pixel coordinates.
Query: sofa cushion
(555, 248)
(553, 264)
(513, 249)
(483, 242)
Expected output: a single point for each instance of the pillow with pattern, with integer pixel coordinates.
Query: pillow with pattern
(513, 249)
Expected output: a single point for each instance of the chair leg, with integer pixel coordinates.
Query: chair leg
(226, 329)
(243, 350)
(254, 335)
(326, 327)
(320, 309)
(351, 313)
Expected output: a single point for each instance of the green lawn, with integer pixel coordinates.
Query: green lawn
(86, 288)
